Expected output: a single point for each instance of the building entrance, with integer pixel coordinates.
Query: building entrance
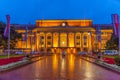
(63, 40)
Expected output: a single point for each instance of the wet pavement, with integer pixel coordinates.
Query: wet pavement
(56, 67)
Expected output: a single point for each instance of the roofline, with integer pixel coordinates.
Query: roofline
(63, 20)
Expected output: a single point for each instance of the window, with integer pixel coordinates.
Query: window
(42, 37)
(42, 42)
(85, 43)
(48, 37)
(78, 37)
(77, 43)
(49, 43)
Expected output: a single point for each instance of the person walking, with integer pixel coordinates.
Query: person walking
(99, 55)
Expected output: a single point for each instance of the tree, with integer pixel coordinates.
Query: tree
(112, 43)
(14, 37)
(2, 26)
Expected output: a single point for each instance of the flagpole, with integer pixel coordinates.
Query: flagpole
(8, 24)
(9, 43)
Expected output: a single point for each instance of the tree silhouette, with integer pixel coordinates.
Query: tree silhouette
(112, 43)
(14, 37)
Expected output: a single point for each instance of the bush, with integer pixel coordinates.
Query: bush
(117, 60)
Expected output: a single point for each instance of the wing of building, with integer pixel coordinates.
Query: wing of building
(69, 35)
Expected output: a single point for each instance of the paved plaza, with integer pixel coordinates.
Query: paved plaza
(56, 67)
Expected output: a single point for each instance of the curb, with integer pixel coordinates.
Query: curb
(104, 65)
(18, 64)
(13, 65)
(108, 67)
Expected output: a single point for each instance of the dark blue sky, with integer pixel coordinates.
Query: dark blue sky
(25, 11)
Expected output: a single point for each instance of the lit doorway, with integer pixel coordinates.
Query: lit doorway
(63, 40)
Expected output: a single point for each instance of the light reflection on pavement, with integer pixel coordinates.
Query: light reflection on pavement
(56, 67)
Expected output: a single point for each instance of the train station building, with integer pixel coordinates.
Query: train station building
(71, 36)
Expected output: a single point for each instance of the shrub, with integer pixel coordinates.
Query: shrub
(117, 60)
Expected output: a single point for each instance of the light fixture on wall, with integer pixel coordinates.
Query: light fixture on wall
(63, 24)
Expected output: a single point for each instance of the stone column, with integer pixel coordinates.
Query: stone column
(74, 39)
(82, 41)
(31, 40)
(52, 39)
(40, 41)
(59, 39)
(67, 40)
(90, 42)
(36, 42)
(45, 42)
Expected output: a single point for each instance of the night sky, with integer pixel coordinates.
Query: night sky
(27, 11)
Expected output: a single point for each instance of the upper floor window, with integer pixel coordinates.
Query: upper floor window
(48, 37)
(78, 37)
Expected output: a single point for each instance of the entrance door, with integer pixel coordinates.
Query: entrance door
(63, 40)
(63, 50)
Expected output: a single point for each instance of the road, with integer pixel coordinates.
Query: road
(56, 67)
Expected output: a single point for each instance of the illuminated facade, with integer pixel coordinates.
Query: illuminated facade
(69, 35)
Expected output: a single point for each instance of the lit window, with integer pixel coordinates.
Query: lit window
(78, 37)
(49, 37)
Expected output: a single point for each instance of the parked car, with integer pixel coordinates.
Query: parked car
(81, 53)
(18, 52)
(110, 52)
